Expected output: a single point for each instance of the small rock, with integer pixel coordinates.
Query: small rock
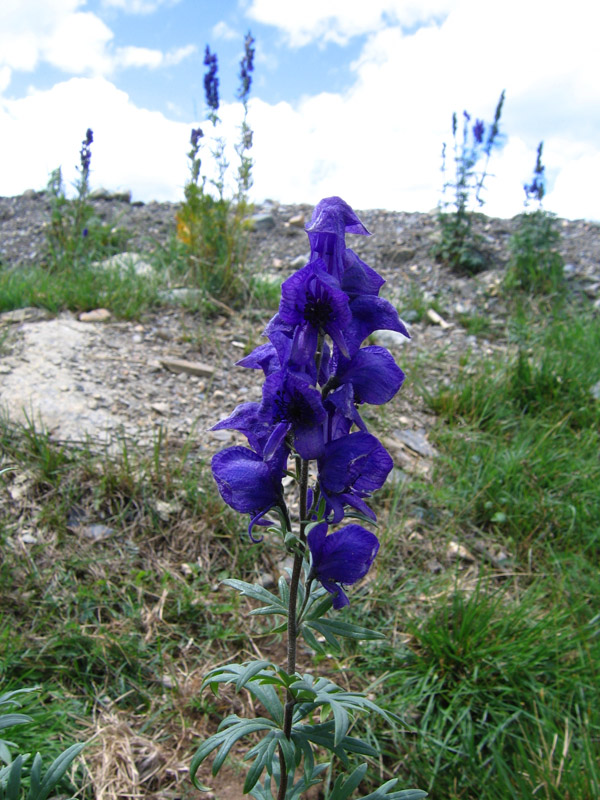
(297, 220)
(416, 441)
(97, 315)
(262, 222)
(299, 261)
(189, 367)
(455, 551)
(97, 532)
(434, 317)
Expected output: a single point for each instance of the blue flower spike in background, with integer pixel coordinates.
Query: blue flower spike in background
(308, 427)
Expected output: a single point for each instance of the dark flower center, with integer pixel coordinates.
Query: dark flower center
(318, 310)
(292, 406)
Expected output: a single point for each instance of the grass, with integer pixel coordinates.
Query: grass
(491, 657)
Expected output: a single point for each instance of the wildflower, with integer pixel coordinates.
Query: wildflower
(341, 558)
(85, 154)
(293, 405)
(246, 68)
(197, 134)
(332, 218)
(537, 188)
(313, 302)
(351, 468)
(211, 82)
(478, 131)
(248, 483)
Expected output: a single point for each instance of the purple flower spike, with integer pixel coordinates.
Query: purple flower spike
(341, 558)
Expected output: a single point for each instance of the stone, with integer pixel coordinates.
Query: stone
(434, 317)
(297, 221)
(262, 222)
(97, 315)
(299, 261)
(416, 441)
(97, 531)
(189, 367)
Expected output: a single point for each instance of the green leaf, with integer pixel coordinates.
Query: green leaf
(55, 772)
(255, 591)
(264, 752)
(13, 784)
(8, 720)
(342, 789)
(403, 794)
(241, 728)
(251, 669)
(349, 631)
(341, 721)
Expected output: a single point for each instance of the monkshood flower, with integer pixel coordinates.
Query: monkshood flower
(341, 558)
(211, 82)
(312, 302)
(246, 68)
(478, 131)
(351, 468)
(292, 405)
(332, 218)
(249, 483)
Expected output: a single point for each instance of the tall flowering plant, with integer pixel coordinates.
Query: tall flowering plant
(308, 425)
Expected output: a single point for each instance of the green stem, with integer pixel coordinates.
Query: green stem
(292, 627)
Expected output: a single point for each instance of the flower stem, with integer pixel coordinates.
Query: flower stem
(292, 627)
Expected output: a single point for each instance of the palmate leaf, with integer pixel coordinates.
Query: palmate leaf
(343, 788)
(249, 676)
(8, 720)
(230, 730)
(323, 735)
(313, 692)
(332, 628)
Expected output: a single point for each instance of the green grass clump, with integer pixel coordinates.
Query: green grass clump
(535, 265)
(523, 437)
(78, 289)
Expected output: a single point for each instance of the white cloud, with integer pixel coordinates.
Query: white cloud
(152, 59)
(223, 31)
(44, 130)
(138, 6)
(78, 44)
(339, 20)
(57, 33)
(379, 143)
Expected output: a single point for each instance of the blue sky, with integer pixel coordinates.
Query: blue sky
(349, 98)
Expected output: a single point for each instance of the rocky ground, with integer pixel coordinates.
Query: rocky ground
(85, 379)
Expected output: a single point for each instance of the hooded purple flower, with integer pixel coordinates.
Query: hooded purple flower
(351, 468)
(331, 220)
(312, 301)
(292, 404)
(341, 558)
(248, 483)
